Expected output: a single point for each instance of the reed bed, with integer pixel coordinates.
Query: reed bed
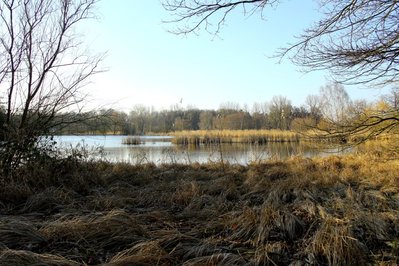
(132, 140)
(233, 136)
(350, 139)
(322, 211)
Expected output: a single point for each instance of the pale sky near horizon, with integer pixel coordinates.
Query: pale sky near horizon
(148, 65)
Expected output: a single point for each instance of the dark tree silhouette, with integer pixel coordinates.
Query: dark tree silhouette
(42, 70)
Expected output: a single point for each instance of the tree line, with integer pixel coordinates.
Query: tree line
(279, 113)
(331, 106)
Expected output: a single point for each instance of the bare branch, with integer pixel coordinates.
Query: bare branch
(197, 13)
(357, 41)
(41, 66)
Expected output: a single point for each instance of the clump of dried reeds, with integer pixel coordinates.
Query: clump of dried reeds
(143, 253)
(132, 140)
(198, 137)
(106, 230)
(334, 243)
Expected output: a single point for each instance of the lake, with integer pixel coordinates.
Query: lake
(159, 150)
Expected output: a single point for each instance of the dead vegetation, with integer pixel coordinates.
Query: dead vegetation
(323, 211)
(209, 137)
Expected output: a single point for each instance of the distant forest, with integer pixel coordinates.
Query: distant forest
(141, 120)
(331, 105)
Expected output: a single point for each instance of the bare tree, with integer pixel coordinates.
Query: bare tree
(280, 111)
(42, 69)
(313, 105)
(205, 122)
(393, 98)
(140, 115)
(334, 102)
(357, 41)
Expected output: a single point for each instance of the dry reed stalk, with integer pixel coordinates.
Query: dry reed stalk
(334, 243)
(143, 253)
(132, 140)
(20, 234)
(272, 253)
(106, 230)
(220, 259)
(49, 200)
(185, 192)
(27, 258)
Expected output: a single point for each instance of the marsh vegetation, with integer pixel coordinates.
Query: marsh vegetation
(63, 208)
(207, 137)
(132, 140)
(320, 211)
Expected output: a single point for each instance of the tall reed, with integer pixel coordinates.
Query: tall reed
(131, 140)
(234, 136)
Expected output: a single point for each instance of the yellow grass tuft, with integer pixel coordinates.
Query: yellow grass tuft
(335, 244)
(144, 253)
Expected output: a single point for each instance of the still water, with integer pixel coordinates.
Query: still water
(159, 149)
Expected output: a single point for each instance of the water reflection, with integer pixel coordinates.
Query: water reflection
(160, 150)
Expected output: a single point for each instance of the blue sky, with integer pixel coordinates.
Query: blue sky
(150, 66)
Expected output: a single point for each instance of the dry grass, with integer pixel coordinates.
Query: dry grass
(322, 211)
(20, 233)
(131, 140)
(334, 243)
(198, 137)
(22, 257)
(144, 253)
(117, 228)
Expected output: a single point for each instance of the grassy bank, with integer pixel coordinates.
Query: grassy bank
(327, 211)
(233, 136)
